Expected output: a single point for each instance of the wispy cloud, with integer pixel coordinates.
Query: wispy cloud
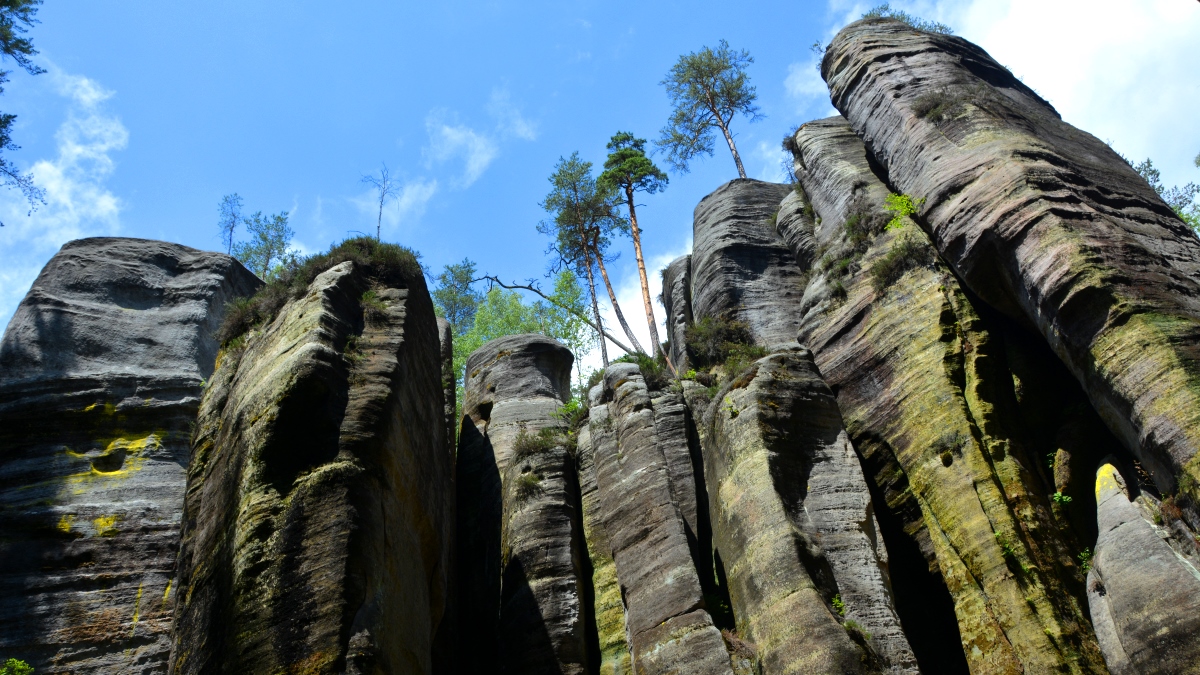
(772, 158)
(407, 208)
(510, 122)
(451, 141)
(78, 203)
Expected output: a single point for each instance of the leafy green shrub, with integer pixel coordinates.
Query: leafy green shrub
(740, 357)
(885, 11)
(838, 605)
(654, 370)
(1060, 498)
(16, 667)
(387, 264)
(1085, 560)
(906, 253)
(902, 205)
(526, 487)
(573, 413)
(710, 339)
(528, 444)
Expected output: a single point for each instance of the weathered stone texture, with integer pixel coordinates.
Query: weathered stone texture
(740, 268)
(928, 399)
(664, 603)
(521, 549)
(101, 372)
(677, 306)
(1042, 221)
(1144, 595)
(793, 523)
(318, 519)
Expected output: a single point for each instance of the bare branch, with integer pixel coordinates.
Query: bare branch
(532, 287)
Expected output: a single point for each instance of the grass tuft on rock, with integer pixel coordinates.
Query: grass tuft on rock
(906, 254)
(386, 264)
(654, 370)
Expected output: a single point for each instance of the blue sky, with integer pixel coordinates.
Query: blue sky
(150, 112)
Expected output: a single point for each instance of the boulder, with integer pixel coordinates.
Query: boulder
(101, 372)
(740, 267)
(1042, 221)
(927, 386)
(1143, 593)
(318, 519)
(521, 550)
(794, 525)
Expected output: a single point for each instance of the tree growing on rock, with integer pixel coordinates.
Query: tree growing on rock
(708, 88)
(270, 239)
(627, 171)
(16, 17)
(584, 219)
(229, 217)
(385, 189)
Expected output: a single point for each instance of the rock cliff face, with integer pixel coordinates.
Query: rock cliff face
(1042, 221)
(318, 521)
(101, 373)
(521, 556)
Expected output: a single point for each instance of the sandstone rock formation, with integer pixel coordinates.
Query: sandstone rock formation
(677, 303)
(740, 269)
(926, 388)
(101, 373)
(1042, 221)
(1144, 594)
(795, 526)
(521, 555)
(645, 522)
(318, 521)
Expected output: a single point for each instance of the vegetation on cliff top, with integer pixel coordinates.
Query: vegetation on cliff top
(387, 264)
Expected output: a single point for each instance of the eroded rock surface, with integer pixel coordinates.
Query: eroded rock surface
(318, 520)
(521, 551)
(740, 268)
(794, 525)
(926, 387)
(1042, 221)
(677, 304)
(101, 373)
(1144, 594)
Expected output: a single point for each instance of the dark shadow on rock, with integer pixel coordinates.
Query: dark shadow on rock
(479, 512)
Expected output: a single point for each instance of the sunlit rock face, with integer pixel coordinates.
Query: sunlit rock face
(101, 372)
(1043, 222)
(318, 523)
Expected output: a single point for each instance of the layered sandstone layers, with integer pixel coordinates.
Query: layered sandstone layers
(932, 397)
(521, 554)
(101, 374)
(740, 269)
(795, 526)
(318, 521)
(1042, 221)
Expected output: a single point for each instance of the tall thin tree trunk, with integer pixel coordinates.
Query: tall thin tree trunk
(737, 159)
(596, 309)
(637, 253)
(617, 308)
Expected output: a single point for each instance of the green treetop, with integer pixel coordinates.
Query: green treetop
(16, 667)
(267, 250)
(454, 297)
(626, 171)
(708, 89)
(16, 17)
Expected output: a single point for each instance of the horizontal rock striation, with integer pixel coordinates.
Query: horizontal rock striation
(318, 520)
(926, 387)
(638, 486)
(795, 527)
(740, 268)
(1144, 594)
(521, 552)
(1042, 221)
(101, 372)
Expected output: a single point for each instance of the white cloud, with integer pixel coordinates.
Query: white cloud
(509, 118)
(78, 203)
(771, 157)
(457, 141)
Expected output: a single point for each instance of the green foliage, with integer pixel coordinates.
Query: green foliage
(526, 487)
(1182, 200)
(856, 630)
(654, 370)
(838, 605)
(527, 444)
(710, 339)
(627, 167)
(1085, 560)
(267, 251)
(689, 375)
(454, 298)
(15, 666)
(885, 11)
(387, 264)
(584, 215)
(229, 216)
(740, 357)
(907, 253)
(901, 205)
(16, 18)
(373, 307)
(573, 413)
(1060, 498)
(707, 88)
